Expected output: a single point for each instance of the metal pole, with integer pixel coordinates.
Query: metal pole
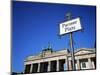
(72, 50)
(71, 43)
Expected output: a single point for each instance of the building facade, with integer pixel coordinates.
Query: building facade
(53, 61)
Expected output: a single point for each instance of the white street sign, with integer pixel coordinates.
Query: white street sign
(70, 26)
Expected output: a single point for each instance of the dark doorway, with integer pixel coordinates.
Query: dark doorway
(61, 64)
(53, 66)
(44, 67)
(27, 68)
(35, 68)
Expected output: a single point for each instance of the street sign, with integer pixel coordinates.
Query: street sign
(70, 26)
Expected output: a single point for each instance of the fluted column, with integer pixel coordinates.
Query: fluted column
(31, 68)
(38, 67)
(49, 65)
(90, 63)
(93, 65)
(24, 68)
(57, 69)
(69, 65)
(78, 64)
(66, 63)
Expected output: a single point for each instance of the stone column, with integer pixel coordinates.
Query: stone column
(69, 65)
(66, 62)
(90, 63)
(57, 69)
(38, 67)
(78, 64)
(31, 68)
(24, 68)
(93, 65)
(49, 64)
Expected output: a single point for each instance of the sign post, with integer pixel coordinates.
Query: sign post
(69, 27)
(71, 44)
(72, 49)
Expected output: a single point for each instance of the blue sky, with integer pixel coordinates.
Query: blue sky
(35, 24)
